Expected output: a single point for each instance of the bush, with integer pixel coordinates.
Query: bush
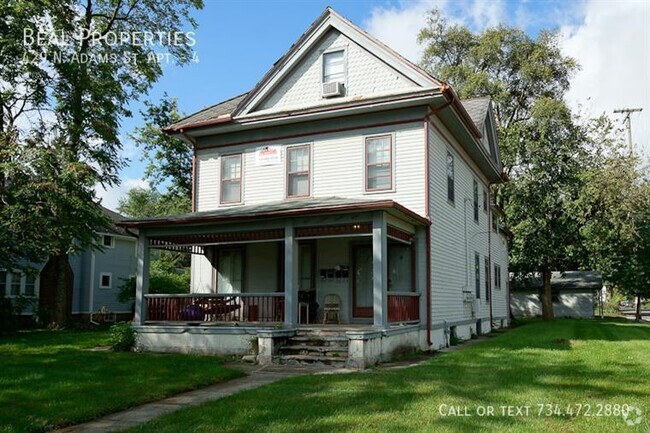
(162, 279)
(7, 322)
(613, 303)
(122, 337)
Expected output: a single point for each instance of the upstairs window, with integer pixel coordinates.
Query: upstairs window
(495, 223)
(487, 279)
(497, 276)
(485, 201)
(105, 280)
(450, 177)
(108, 241)
(475, 200)
(231, 173)
(333, 67)
(477, 275)
(379, 163)
(298, 171)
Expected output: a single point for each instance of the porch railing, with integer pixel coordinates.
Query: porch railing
(210, 307)
(403, 307)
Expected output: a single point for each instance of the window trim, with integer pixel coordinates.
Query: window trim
(289, 173)
(22, 284)
(240, 178)
(475, 200)
(487, 278)
(110, 280)
(391, 187)
(451, 193)
(485, 200)
(477, 274)
(345, 64)
(497, 276)
(112, 243)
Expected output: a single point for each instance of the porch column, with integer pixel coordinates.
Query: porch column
(379, 270)
(141, 279)
(290, 275)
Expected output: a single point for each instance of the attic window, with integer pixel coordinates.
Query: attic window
(108, 241)
(333, 67)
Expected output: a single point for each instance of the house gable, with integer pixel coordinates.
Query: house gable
(371, 69)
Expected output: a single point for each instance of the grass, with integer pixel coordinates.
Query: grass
(565, 363)
(51, 379)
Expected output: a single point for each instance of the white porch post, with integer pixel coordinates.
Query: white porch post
(379, 270)
(141, 279)
(290, 275)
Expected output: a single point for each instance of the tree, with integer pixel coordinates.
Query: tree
(90, 80)
(543, 149)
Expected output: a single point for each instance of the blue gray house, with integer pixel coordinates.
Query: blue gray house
(98, 274)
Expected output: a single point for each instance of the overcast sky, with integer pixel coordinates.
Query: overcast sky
(238, 41)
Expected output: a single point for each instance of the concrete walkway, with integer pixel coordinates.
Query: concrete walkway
(256, 377)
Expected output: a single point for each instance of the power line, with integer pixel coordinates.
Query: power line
(628, 124)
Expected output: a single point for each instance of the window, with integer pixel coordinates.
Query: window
(108, 241)
(334, 67)
(298, 171)
(30, 285)
(475, 200)
(105, 280)
(231, 172)
(379, 163)
(230, 270)
(450, 177)
(485, 201)
(487, 279)
(15, 284)
(497, 276)
(495, 223)
(477, 274)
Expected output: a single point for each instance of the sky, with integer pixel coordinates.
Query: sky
(238, 41)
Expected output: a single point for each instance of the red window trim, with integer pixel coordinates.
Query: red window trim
(390, 163)
(289, 173)
(241, 175)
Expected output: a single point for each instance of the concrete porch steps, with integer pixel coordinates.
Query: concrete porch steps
(317, 347)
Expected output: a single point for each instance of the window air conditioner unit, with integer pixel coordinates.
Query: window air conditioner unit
(333, 88)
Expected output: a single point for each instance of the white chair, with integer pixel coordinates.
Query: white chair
(332, 307)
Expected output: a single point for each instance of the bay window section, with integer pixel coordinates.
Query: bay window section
(231, 178)
(298, 171)
(379, 163)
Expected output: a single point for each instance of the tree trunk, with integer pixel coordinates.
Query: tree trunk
(638, 307)
(547, 296)
(55, 296)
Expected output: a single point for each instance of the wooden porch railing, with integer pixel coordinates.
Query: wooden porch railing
(209, 307)
(403, 307)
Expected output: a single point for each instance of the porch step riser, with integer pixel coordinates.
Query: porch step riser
(321, 333)
(318, 342)
(315, 347)
(316, 351)
(310, 360)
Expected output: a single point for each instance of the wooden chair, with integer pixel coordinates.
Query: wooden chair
(332, 307)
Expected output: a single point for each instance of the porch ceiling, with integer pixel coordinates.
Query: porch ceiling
(281, 209)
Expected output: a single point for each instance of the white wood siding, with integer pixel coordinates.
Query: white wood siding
(455, 236)
(366, 76)
(337, 168)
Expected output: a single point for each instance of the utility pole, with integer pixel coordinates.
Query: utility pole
(628, 124)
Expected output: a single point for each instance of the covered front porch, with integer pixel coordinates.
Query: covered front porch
(357, 266)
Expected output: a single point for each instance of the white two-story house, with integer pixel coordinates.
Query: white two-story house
(347, 194)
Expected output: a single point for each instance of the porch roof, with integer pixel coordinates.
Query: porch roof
(284, 208)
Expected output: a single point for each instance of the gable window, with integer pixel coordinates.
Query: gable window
(298, 171)
(379, 163)
(477, 274)
(475, 200)
(231, 173)
(105, 280)
(497, 276)
(108, 241)
(450, 177)
(485, 201)
(487, 279)
(334, 67)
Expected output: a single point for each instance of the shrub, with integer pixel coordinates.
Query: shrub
(122, 337)
(7, 322)
(162, 279)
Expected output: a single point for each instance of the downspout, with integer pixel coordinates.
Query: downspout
(489, 272)
(428, 230)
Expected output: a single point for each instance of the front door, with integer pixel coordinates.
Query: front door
(362, 281)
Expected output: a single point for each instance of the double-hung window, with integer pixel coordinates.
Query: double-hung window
(334, 67)
(298, 171)
(475, 200)
(450, 177)
(497, 276)
(231, 176)
(379, 163)
(487, 279)
(477, 274)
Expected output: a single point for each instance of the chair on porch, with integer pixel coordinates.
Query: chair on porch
(332, 307)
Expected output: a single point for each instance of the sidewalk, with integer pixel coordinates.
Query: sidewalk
(256, 377)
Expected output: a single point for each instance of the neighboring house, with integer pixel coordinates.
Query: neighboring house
(97, 274)
(346, 171)
(575, 294)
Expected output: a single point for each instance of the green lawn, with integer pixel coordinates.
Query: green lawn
(51, 378)
(565, 363)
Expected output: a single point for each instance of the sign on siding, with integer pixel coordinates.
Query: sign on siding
(268, 155)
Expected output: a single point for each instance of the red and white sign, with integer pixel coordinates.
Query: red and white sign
(268, 155)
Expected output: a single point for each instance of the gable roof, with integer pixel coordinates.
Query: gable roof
(116, 218)
(477, 108)
(208, 114)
